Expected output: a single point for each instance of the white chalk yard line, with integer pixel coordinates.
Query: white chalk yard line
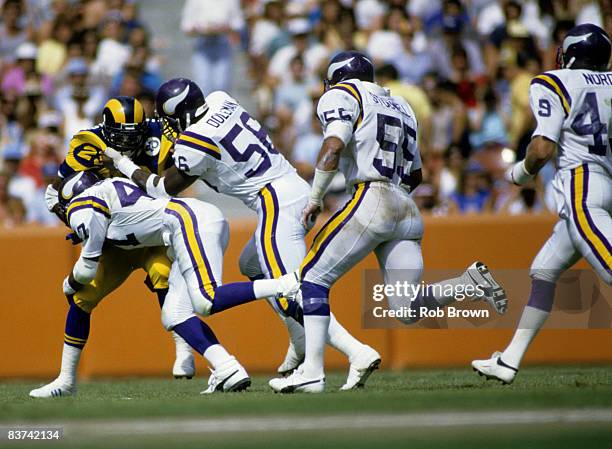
(289, 423)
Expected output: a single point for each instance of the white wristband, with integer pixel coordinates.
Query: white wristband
(51, 197)
(320, 183)
(518, 174)
(126, 166)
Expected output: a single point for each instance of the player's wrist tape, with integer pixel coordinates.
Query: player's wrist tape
(51, 197)
(156, 191)
(320, 183)
(126, 166)
(519, 174)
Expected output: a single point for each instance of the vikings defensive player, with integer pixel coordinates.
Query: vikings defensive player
(116, 212)
(124, 127)
(370, 136)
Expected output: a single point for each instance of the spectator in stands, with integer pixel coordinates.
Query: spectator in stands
(215, 25)
(23, 79)
(12, 31)
(473, 194)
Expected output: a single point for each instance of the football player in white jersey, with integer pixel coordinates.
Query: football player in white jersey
(116, 211)
(574, 117)
(221, 144)
(371, 137)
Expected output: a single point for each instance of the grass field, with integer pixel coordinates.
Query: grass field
(547, 407)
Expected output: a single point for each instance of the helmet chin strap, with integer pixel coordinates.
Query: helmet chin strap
(570, 63)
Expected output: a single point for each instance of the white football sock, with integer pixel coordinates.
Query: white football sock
(70, 362)
(530, 323)
(216, 355)
(338, 337)
(316, 329)
(181, 346)
(265, 287)
(296, 334)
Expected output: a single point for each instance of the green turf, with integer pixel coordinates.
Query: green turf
(408, 391)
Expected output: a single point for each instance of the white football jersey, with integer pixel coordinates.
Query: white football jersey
(116, 211)
(381, 144)
(230, 151)
(574, 109)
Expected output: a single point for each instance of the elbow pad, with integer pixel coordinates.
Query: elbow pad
(156, 191)
(84, 270)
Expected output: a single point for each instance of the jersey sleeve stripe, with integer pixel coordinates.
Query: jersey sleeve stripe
(332, 227)
(193, 244)
(89, 202)
(195, 146)
(200, 138)
(582, 219)
(549, 82)
(353, 92)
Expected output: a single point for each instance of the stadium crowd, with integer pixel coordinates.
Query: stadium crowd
(464, 66)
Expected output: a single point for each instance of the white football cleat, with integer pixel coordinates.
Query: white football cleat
(296, 382)
(494, 293)
(229, 376)
(289, 285)
(291, 362)
(55, 389)
(364, 364)
(495, 368)
(184, 363)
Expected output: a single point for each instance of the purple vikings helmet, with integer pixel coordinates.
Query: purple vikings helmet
(74, 185)
(586, 47)
(179, 102)
(349, 65)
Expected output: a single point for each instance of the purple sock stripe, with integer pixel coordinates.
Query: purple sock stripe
(575, 214)
(74, 345)
(277, 256)
(542, 295)
(335, 232)
(189, 251)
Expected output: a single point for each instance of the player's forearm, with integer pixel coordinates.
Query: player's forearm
(539, 152)
(326, 169)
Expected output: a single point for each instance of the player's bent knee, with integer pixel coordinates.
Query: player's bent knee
(547, 275)
(201, 305)
(171, 317)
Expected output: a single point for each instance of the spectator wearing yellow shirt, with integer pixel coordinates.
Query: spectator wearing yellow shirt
(387, 76)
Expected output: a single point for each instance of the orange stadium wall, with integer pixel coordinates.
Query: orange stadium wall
(127, 338)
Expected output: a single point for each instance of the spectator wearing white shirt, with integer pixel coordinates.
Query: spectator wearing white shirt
(215, 25)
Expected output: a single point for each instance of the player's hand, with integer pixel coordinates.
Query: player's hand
(310, 214)
(112, 154)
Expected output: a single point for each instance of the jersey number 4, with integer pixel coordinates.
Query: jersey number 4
(401, 161)
(588, 123)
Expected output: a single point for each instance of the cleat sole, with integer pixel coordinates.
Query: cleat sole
(370, 369)
(241, 386)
